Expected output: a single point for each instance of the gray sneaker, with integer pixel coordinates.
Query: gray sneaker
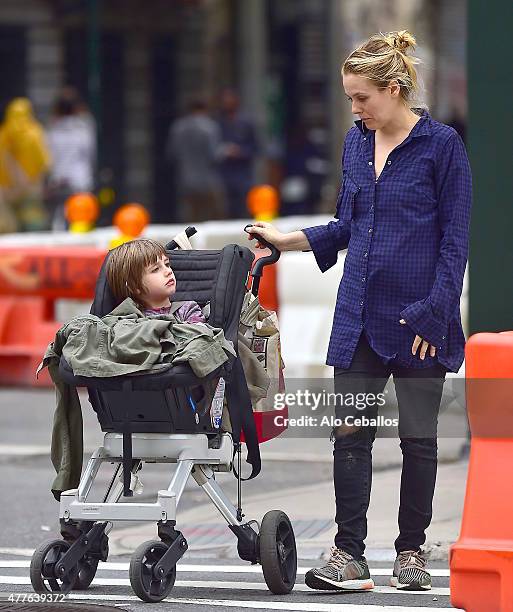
(342, 572)
(410, 572)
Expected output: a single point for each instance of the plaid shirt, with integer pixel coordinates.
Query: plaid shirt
(406, 235)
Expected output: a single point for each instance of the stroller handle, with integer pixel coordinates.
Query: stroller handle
(189, 231)
(258, 268)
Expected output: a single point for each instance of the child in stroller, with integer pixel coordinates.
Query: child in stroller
(140, 270)
(147, 418)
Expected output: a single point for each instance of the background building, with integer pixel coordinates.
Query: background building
(138, 62)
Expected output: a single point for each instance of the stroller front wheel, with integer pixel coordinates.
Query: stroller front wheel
(145, 584)
(42, 568)
(86, 572)
(278, 554)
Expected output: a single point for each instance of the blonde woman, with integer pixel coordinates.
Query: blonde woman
(403, 214)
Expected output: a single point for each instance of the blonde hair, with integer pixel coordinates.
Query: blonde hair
(127, 264)
(383, 58)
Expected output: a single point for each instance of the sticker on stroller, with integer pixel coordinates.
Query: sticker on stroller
(259, 348)
(216, 408)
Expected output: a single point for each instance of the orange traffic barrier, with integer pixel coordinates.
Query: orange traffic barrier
(31, 279)
(81, 211)
(481, 561)
(130, 219)
(268, 290)
(24, 335)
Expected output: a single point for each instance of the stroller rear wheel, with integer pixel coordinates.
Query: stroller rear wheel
(42, 566)
(278, 552)
(145, 584)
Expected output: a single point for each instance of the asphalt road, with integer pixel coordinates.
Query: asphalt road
(28, 516)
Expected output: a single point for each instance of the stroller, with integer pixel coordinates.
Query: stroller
(148, 418)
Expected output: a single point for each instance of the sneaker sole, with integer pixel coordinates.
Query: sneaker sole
(413, 586)
(325, 584)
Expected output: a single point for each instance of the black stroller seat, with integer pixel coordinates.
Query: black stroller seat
(159, 402)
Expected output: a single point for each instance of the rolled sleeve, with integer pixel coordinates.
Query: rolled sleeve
(419, 316)
(430, 318)
(327, 240)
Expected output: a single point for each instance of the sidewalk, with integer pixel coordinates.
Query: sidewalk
(312, 508)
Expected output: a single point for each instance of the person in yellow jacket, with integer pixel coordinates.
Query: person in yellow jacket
(24, 161)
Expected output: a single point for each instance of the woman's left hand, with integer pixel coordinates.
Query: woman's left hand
(424, 345)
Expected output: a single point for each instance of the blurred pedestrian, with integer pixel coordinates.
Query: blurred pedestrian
(72, 140)
(193, 151)
(305, 171)
(24, 161)
(238, 150)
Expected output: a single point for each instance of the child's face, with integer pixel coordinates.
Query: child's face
(159, 283)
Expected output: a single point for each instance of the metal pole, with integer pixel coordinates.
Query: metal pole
(490, 132)
(252, 43)
(94, 68)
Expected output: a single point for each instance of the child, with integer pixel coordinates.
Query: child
(140, 270)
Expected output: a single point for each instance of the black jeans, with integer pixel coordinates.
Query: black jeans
(419, 392)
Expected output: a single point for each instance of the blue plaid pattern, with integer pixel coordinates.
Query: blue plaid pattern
(406, 236)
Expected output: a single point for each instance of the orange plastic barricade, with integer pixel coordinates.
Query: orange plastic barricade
(481, 561)
(268, 290)
(31, 279)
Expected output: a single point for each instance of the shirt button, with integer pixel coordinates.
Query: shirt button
(443, 337)
(370, 230)
(363, 279)
(389, 162)
(361, 303)
(371, 208)
(365, 254)
(370, 163)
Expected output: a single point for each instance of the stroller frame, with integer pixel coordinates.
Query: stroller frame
(71, 563)
(192, 456)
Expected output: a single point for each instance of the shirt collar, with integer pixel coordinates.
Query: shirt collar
(421, 128)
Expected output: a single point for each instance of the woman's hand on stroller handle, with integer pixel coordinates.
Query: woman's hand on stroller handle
(267, 235)
(256, 273)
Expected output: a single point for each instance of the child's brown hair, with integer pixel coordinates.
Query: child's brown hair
(126, 266)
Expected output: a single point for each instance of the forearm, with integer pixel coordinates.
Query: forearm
(294, 241)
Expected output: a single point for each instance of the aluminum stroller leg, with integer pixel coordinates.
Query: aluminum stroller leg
(183, 470)
(247, 537)
(86, 482)
(204, 476)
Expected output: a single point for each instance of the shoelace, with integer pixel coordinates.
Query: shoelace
(411, 557)
(338, 557)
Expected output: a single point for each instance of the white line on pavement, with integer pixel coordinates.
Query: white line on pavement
(267, 605)
(216, 584)
(228, 569)
(23, 450)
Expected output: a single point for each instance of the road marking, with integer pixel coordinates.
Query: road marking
(216, 584)
(268, 605)
(224, 569)
(23, 450)
(22, 552)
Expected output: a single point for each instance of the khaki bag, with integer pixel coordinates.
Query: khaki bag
(260, 353)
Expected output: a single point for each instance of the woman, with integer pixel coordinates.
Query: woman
(403, 214)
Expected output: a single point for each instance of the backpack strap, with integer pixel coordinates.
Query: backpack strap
(241, 416)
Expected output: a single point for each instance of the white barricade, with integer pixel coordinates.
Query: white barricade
(306, 296)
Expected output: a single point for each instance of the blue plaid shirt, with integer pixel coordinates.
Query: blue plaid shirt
(406, 235)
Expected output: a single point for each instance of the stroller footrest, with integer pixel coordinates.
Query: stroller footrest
(172, 447)
(164, 509)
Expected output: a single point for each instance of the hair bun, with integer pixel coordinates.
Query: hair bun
(401, 40)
